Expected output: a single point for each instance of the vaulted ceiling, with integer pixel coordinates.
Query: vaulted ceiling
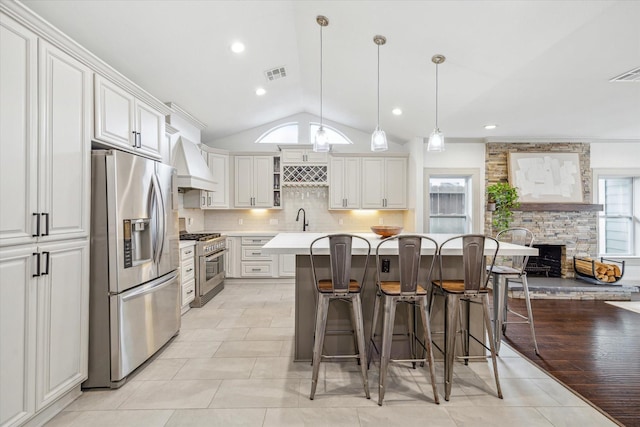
(537, 69)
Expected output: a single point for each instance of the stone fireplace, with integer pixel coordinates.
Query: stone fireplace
(574, 228)
(550, 262)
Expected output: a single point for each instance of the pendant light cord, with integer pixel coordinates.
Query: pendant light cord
(436, 96)
(378, 86)
(320, 76)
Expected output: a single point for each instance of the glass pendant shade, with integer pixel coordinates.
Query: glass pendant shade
(436, 141)
(379, 140)
(321, 141)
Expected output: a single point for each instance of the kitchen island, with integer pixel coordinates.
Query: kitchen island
(339, 318)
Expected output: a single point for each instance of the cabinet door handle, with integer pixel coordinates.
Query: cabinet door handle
(46, 264)
(37, 255)
(37, 215)
(46, 223)
(135, 139)
(208, 200)
(139, 139)
(203, 201)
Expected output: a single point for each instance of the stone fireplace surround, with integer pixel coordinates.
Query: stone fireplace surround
(577, 230)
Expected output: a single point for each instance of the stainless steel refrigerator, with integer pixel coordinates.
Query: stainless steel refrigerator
(135, 288)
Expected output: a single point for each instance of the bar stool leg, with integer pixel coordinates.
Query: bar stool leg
(387, 336)
(411, 328)
(499, 310)
(374, 327)
(487, 324)
(429, 350)
(452, 302)
(525, 287)
(321, 326)
(357, 314)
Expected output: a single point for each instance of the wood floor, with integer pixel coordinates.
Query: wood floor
(590, 346)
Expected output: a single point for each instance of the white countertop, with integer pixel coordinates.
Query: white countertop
(237, 233)
(298, 244)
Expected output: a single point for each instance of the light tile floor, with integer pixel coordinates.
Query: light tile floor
(232, 365)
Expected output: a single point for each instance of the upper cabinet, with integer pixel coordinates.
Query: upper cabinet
(344, 183)
(45, 163)
(253, 181)
(384, 182)
(218, 163)
(301, 156)
(126, 122)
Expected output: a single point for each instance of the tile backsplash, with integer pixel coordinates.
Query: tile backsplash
(315, 205)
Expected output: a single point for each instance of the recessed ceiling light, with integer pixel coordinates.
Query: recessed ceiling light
(396, 111)
(260, 91)
(489, 127)
(237, 47)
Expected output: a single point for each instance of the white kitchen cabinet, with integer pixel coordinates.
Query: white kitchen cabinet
(384, 183)
(48, 161)
(125, 122)
(44, 337)
(232, 258)
(286, 265)
(300, 156)
(344, 183)
(17, 334)
(219, 167)
(253, 182)
(253, 262)
(187, 276)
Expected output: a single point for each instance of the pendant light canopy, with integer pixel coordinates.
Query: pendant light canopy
(436, 139)
(379, 138)
(321, 142)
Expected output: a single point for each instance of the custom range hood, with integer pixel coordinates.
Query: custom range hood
(193, 172)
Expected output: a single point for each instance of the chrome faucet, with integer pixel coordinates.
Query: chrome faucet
(305, 224)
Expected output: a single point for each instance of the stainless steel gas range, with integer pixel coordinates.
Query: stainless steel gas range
(211, 250)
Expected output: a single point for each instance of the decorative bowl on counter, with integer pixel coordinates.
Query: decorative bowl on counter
(385, 231)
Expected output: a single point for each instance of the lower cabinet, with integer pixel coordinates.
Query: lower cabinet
(286, 265)
(187, 277)
(253, 262)
(44, 301)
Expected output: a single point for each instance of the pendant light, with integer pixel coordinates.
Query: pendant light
(321, 142)
(436, 139)
(379, 138)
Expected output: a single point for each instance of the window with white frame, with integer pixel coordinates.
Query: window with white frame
(288, 133)
(618, 222)
(450, 204)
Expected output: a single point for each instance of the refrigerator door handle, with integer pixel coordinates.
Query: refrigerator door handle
(160, 218)
(150, 287)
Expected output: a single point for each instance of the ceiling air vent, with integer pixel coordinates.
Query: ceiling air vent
(629, 76)
(275, 74)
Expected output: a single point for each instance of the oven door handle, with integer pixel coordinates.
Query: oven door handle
(216, 255)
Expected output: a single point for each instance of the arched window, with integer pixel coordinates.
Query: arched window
(286, 133)
(334, 135)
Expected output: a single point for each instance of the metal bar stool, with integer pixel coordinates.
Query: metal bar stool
(343, 288)
(511, 268)
(472, 289)
(408, 291)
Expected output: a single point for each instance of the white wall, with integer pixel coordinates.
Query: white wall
(245, 141)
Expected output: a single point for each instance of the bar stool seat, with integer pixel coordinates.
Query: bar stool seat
(405, 290)
(340, 287)
(471, 289)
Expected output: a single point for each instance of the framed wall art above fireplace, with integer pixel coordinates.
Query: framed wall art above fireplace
(546, 177)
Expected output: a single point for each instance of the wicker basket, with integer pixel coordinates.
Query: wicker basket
(600, 272)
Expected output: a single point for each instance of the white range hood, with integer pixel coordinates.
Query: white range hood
(193, 172)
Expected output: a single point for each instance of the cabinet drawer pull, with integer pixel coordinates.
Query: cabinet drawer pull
(256, 253)
(46, 223)
(46, 264)
(37, 215)
(188, 252)
(256, 269)
(190, 291)
(37, 255)
(189, 270)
